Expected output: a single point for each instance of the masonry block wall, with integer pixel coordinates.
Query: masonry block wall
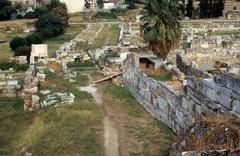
(157, 98)
(178, 110)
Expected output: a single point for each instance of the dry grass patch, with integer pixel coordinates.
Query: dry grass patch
(138, 129)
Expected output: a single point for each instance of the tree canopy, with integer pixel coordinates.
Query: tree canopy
(5, 9)
(161, 25)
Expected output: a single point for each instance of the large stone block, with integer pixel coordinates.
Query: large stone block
(12, 82)
(236, 106)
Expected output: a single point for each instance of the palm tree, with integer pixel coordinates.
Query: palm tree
(161, 25)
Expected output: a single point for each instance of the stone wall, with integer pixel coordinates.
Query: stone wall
(157, 98)
(178, 110)
(189, 69)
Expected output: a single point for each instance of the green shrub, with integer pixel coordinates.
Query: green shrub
(51, 21)
(104, 15)
(19, 16)
(81, 64)
(18, 67)
(131, 6)
(30, 15)
(39, 11)
(34, 38)
(47, 33)
(17, 42)
(23, 51)
(118, 11)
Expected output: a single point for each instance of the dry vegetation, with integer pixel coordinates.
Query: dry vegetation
(212, 133)
(137, 129)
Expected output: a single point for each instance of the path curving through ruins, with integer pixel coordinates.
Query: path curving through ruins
(111, 144)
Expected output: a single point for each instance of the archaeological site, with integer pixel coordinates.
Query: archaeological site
(120, 78)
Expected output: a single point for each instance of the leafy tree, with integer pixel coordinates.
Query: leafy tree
(63, 13)
(41, 11)
(5, 9)
(19, 16)
(51, 21)
(203, 5)
(190, 8)
(211, 8)
(221, 4)
(30, 15)
(47, 33)
(100, 3)
(17, 42)
(34, 38)
(161, 25)
(23, 51)
(182, 6)
(131, 6)
(55, 4)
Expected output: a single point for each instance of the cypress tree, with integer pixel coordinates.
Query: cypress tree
(190, 8)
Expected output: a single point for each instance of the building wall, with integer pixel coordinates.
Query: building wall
(30, 2)
(74, 5)
(24, 2)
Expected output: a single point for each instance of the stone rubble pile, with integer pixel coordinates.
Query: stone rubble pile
(30, 90)
(8, 85)
(68, 74)
(56, 98)
(192, 28)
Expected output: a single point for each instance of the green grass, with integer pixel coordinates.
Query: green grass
(165, 77)
(55, 42)
(18, 67)
(56, 83)
(82, 46)
(66, 130)
(5, 50)
(108, 36)
(74, 129)
(13, 123)
(81, 80)
(81, 64)
(219, 33)
(147, 130)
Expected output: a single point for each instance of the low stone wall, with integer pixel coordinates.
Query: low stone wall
(177, 111)
(188, 69)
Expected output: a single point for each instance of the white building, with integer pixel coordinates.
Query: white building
(74, 6)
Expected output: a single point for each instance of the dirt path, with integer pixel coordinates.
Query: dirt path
(110, 133)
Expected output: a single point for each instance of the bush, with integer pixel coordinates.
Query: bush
(23, 51)
(81, 64)
(39, 11)
(19, 16)
(30, 15)
(51, 21)
(132, 6)
(47, 33)
(17, 67)
(118, 11)
(104, 15)
(17, 42)
(34, 38)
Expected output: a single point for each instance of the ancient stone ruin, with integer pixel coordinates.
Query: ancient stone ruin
(179, 108)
